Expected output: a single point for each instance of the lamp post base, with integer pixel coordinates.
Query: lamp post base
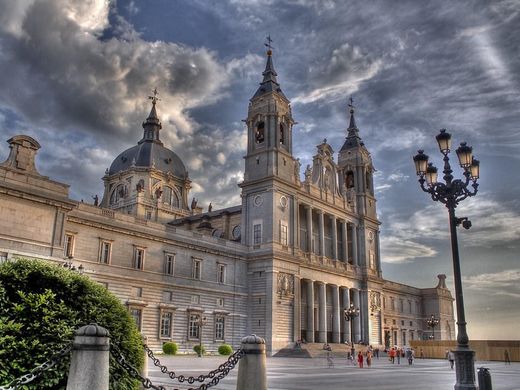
(465, 369)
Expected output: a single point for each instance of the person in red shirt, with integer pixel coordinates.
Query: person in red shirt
(360, 359)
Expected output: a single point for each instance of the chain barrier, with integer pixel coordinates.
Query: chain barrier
(215, 375)
(38, 371)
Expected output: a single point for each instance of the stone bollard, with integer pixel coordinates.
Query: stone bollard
(144, 370)
(252, 373)
(90, 359)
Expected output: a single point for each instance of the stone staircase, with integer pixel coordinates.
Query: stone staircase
(315, 350)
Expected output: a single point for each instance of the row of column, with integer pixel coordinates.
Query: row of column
(334, 236)
(342, 330)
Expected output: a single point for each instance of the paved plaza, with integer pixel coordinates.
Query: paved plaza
(297, 374)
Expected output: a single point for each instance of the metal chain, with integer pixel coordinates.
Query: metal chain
(38, 371)
(223, 368)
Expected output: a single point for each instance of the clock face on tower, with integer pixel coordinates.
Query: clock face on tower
(236, 232)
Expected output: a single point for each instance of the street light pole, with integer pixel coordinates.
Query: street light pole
(432, 322)
(201, 323)
(349, 314)
(450, 193)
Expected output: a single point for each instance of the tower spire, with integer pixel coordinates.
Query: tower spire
(152, 124)
(353, 139)
(352, 124)
(269, 82)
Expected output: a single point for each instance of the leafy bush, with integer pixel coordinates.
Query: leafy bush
(225, 350)
(170, 348)
(41, 305)
(197, 347)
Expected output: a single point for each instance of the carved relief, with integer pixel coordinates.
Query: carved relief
(375, 301)
(285, 284)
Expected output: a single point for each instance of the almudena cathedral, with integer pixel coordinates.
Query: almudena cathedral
(285, 264)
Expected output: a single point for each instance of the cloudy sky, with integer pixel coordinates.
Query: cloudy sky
(75, 74)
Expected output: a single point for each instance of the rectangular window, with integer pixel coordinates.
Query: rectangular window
(257, 234)
(137, 315)
(410, 307)
(283, 235)
(166, 324)
(401, 305)
(392, 303)
(138, 258)
(219, 328)
(402, 323)
(221, 273)
(411, 323)
(193, 326)
(169, 262)
(197, 268)
(137, 292)
(69, 245)
(105, 252)
(220, 302)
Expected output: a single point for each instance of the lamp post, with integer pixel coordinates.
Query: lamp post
(68, 264)
(450, 193)
(201, 322)
(432, 322)
(349, 314)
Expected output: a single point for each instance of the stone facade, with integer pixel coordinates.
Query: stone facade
(283, 265)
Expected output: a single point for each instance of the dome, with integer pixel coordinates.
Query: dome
(149, 151)
(148, 154)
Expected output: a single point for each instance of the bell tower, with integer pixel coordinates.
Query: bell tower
(356, 173)
(269, 129)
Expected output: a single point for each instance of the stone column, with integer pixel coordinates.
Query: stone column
(356, 323)
(89, 362)
(252, 373)
(322, 288)
(310, 311)
(309, 228)
(296, 225)
(344, 233)
(334, 238)
(321, 232)
(365, 315)
(346, 324)
(355, 259)
(336, 337)
(297, 312)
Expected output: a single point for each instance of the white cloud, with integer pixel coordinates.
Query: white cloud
(505, 283)
(397, 250)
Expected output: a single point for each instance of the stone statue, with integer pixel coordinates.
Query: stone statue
(297, 165)
(308, 173)
(193, 203)
(96, 200)
(140, 186)
(210, 207)
(158, 192)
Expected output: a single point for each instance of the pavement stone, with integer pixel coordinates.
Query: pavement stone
(313, 373)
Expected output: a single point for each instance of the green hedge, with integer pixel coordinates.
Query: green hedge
(225, 349)
(41, 305)
(170, 348)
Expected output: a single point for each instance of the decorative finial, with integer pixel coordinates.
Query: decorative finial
(268, 45)
(351, 104)
(154, 98)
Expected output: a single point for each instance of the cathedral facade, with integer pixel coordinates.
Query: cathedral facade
(286, 264)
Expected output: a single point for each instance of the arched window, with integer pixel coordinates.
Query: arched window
(119, 192)
(260, 133)
(282, 134)
(349, 179)
(170, 196)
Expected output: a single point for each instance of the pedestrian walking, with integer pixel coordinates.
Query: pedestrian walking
(360, 359)
(369, 358)
(421, 353)
(376, 353)
(451, 358)
(398, 353)
(507, 359)
(392, 355)
(409, 356)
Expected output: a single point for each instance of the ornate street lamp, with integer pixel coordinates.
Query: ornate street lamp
(68, 264)
(432, 322)
(200, 323)
(349, 315)
(450, 193)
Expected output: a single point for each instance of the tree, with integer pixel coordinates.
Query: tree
(41, 305)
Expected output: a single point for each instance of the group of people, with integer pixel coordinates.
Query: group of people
(396, 353)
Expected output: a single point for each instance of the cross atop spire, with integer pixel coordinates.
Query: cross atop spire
(154, 98)
(268, 45)
(352, 124)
